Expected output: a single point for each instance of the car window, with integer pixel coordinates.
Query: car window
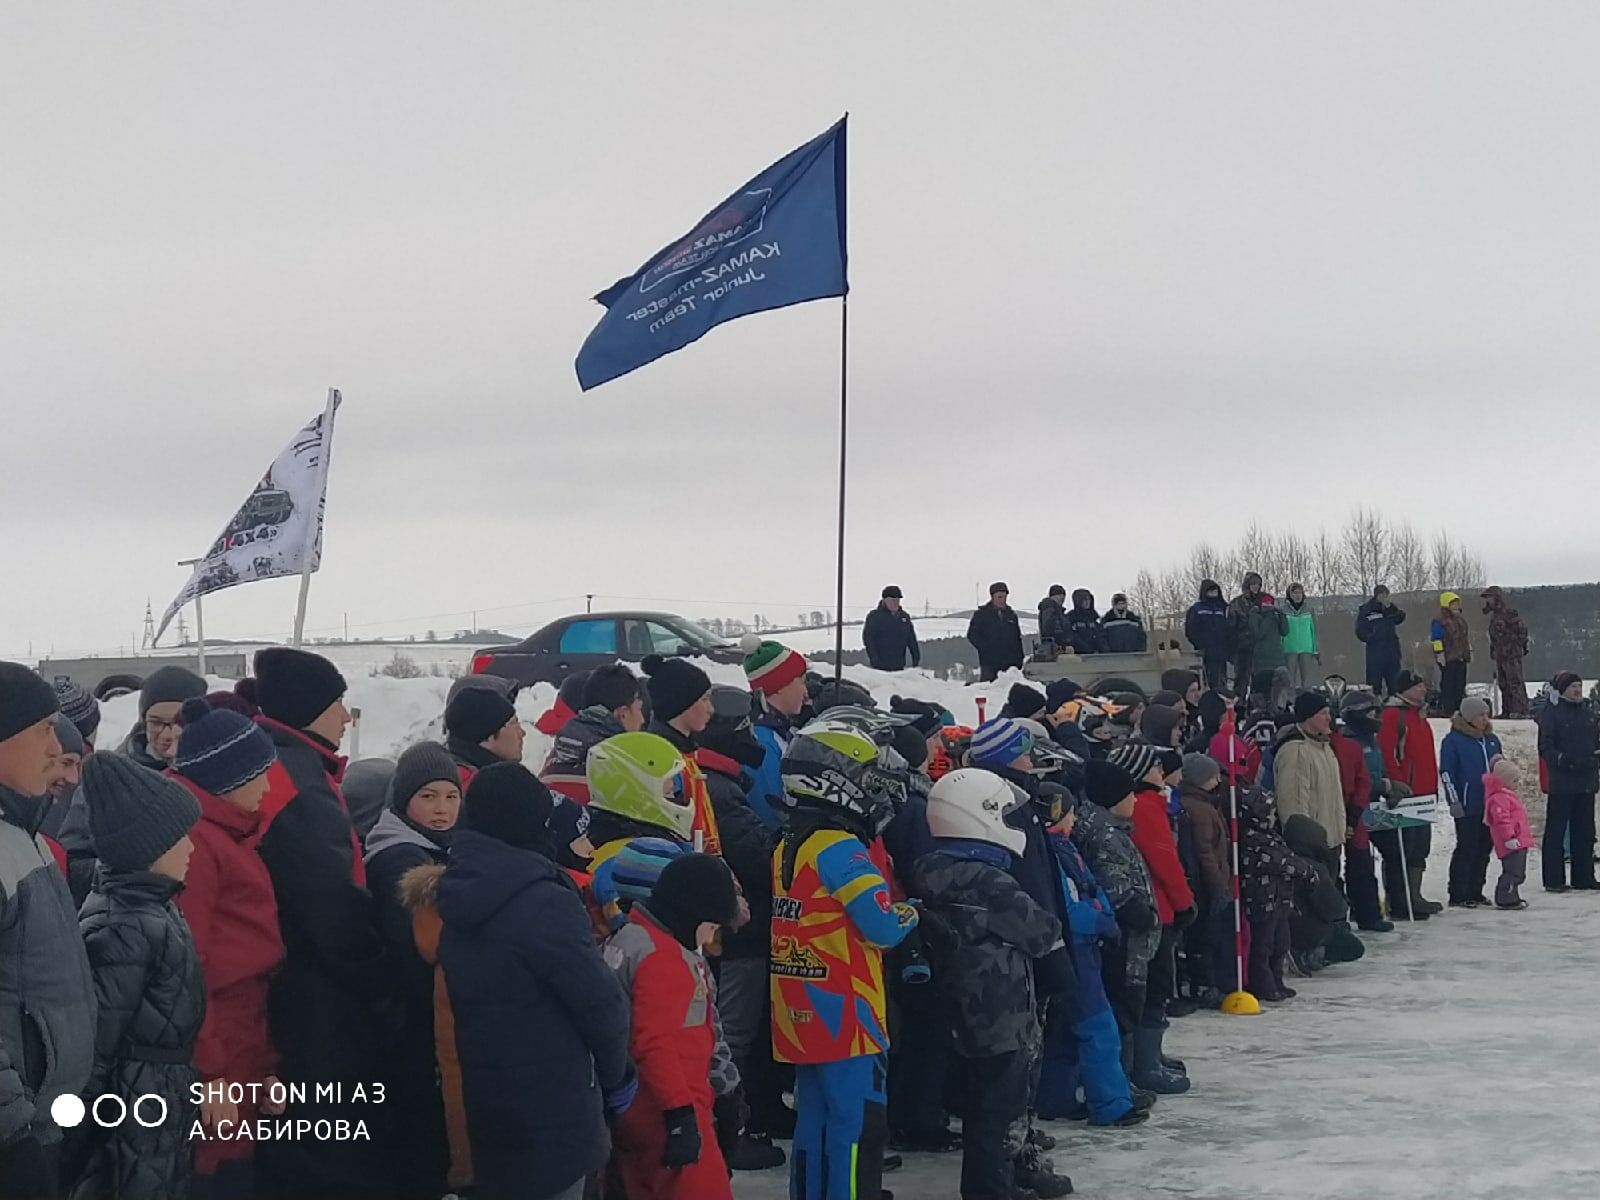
(636, 639)
(589, 637)
(668, 641)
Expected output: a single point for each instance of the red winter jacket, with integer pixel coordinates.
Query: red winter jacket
(1356, 783)
(228, 901)
(1152, 834)
(1409, 754)
(673, 1038)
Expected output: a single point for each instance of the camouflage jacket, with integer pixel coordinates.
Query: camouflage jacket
(1269, 871)
(982, 933)
(1508, 634)
(1106, 842)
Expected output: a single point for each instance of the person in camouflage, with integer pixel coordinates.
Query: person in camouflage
(1269, 872)
(1104, 836)
(983, 932)
(1508, 646)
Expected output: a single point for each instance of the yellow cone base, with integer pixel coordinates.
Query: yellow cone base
(1241, 1004)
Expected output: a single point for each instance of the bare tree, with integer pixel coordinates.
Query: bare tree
(1365, 541)
(1408, 560)
(1204, 563)
(1327, 575)
(1143, 592)
(1441, 560)
(1469, 570)
(1254, 552)
(1293, 559)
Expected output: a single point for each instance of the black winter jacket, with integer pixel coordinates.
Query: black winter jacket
(1053, 622)
(1035, 870)
(1205, 625)
(151, 1002)
(1379, 628)
(996, 636)
(1269, 872)
(332, 1006)
(1318, 904)
(1083, 624)
(890, 639)
(1567, 744)
(541, 1022)
(1122, 633)
(747, 847)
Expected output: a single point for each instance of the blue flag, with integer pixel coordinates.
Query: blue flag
(778, 240)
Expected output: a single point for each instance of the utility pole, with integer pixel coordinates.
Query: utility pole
(149, 624)
(588, 602)
(199, 624)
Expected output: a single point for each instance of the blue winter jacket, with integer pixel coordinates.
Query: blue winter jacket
(1205, 626)
(765, 793)
(1090, 916)
(1464, 760)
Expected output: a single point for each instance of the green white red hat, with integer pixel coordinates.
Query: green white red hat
(770, 666)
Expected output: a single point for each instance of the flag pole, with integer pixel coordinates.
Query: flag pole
(844, 412)
(307, 566)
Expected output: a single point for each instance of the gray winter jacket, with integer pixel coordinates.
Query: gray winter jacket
(47, 1003)
(1106, 842)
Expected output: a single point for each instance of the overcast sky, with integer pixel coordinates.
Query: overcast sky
(1123, 277)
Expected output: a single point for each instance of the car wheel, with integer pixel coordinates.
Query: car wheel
(1116, 683)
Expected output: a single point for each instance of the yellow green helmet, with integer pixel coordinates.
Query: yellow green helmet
(834, 767)
(641, 776)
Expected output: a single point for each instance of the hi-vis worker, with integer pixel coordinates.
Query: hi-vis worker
(832, 918)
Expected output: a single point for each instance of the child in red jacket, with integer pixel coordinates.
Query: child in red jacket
(666, 1144)
(223, 759)
(1152, 836)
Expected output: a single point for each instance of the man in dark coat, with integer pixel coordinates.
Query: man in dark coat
(541, 1022)
(1083, 624)
(1122, 629)
(1205, 627)
(328, 1004)
(1378, 624)
(45, 988)
(1240, 632)
(1508, 646)
(889, 636)
(1569, 742)
(995, 634)
(1053, 619)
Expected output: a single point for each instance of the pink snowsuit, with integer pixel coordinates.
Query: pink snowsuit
(1506, 818)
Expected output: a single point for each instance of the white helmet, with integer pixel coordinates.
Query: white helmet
(973, 804)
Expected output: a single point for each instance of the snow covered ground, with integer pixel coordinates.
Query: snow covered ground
(1456, 1060)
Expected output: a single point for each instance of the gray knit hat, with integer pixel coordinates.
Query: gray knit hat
(170, 685)
(1200, 769)
(135, 815)
(420, 765)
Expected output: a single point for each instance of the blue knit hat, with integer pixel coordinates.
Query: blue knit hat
(636, 867)
(220, 751)
(999, 743)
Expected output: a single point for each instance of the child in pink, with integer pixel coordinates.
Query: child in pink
(1508, 825)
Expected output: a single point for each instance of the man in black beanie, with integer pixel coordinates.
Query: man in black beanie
(42, 957)
(154, 740)
(337, 971)
(680, 710)
(480, 729)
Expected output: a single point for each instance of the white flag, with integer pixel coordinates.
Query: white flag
(277, 526)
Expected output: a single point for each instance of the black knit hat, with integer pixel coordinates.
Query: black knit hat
(693, 889)
(1564, 680)
(1309, 704)
(25, 700)
(477, 714)
(1106, 784)
(135, 814)
(220, 750)
(1406, 680)
(1024, 701)
(507, 802)
(926, 717)
(79, 707)
(295, 686)
(674, 684)
(170, 684)
(610, 687)
(420, 765)
(572, 688)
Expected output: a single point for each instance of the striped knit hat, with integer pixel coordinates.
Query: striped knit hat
(79, 707)
(219, 751)
(770, 666)
(999, 743)
(1136, 758)
(636, 867)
